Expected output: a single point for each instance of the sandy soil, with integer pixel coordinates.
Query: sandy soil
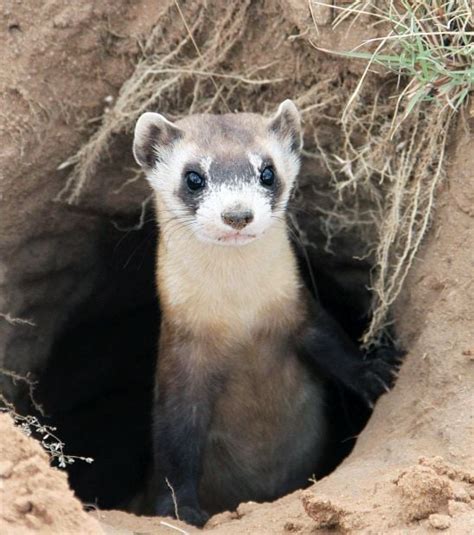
(34, 497)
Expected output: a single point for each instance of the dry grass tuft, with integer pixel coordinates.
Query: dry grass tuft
(178, 51)
(397, 162)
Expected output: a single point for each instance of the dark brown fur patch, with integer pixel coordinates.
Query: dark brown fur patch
(159, 134)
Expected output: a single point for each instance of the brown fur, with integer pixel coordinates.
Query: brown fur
(237, 322)
(239, 411)
(237, 415)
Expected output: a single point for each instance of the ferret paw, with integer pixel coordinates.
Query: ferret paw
(193, 515)
(378, 373)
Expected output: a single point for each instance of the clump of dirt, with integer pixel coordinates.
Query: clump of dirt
(439, 521)
(442, 468)
(36, 498)
(423, 492)
(325, 513)
(436, 490)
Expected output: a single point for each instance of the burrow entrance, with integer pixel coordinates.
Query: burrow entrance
(96, 387)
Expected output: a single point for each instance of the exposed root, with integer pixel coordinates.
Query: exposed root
(167, 64)
(399, 173)
(30, 384)
(16, 321)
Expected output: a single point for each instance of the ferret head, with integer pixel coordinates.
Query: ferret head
(226, 178)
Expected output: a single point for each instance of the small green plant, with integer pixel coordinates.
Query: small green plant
(430, 44)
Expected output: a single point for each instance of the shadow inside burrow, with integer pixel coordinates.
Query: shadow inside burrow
(96, 388)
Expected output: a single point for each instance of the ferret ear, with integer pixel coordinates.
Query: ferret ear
(153, 131)
(286, 125)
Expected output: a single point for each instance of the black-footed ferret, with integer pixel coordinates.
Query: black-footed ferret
(244, 350)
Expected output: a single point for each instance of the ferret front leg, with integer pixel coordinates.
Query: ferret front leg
(326, 346)
(181, 416)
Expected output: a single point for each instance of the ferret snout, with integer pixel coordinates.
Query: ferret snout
(237, 217)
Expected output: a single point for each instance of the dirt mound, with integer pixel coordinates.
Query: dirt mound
(34, 497)
(423, 492)
(435, 488)
(430, 491)
(325, 513)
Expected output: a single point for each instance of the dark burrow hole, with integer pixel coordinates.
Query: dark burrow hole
(97, 386)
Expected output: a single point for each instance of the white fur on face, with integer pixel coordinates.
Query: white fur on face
(287, 165)
(256, 162)
(209, 225)
(167, 175)
(206, 163)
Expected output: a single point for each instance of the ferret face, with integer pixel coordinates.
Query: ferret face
(226, 178)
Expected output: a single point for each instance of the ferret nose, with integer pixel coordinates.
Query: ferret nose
(237, 219)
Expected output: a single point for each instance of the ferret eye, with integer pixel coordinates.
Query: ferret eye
(194, 181)
(267, 176)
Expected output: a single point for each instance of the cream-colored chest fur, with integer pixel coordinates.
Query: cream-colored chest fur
(228, 290)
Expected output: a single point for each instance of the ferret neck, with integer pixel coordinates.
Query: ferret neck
(209, 284)
(179, 244)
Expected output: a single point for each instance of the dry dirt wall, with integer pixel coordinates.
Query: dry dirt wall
(34, 497)
(58, 65)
